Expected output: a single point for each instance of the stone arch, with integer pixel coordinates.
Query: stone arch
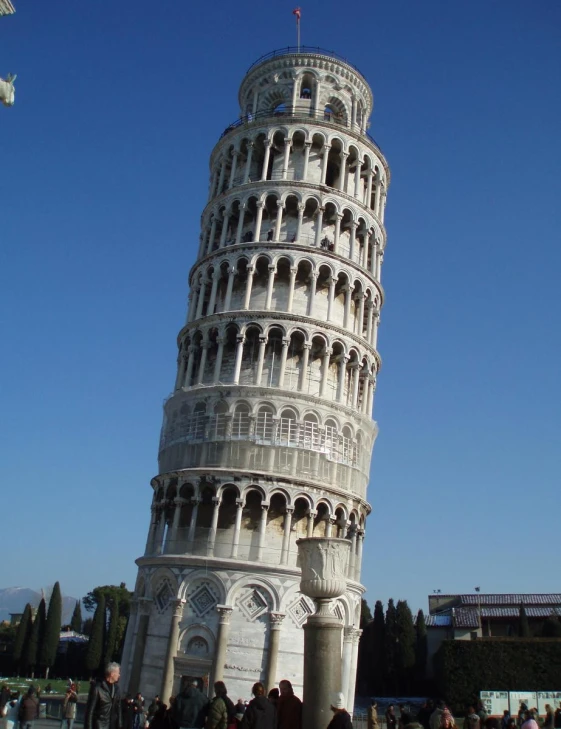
(193, 632)
(260, 582)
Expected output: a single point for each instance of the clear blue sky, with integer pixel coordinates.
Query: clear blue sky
(103, 176)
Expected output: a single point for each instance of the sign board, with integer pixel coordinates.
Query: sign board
(495, 702)
(548, 697)
(530, 698)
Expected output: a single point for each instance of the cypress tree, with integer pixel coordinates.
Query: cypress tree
(94, 652)
(406, 642)
(76, 620)
(365, 614)
(378, 650)
(48, 649)
(523, 624)
(111, 640)
(35, 639)
(390, 646)
(22, 636)
(421, 651)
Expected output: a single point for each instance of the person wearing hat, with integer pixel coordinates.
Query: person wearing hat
(341, 717)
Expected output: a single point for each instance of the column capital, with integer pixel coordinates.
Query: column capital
(276, 620)
(195, 500)
(327, 352)
(285, 341)
(263, 339)
(339, 216)
(355, 224)
(348, 633)
(216, 500)
(326, 148)
(240, 503)
(177, 607)
(344, 155)
(280, 204)
(301, 207)
(224, 613)
(289, 510)
(250, 145)
(264, 507)
(232, 271)
(307, 346)
(260, 204)
(268, 143)
(287, 142)
(312, 512)
(333, 281)
(178, 501)
(308, 144)
(272, 268)
(293, 270)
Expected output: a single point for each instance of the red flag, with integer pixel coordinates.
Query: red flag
(297, 12)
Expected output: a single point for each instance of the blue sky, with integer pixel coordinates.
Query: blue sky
(103, 178)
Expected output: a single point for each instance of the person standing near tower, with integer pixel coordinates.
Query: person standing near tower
(289, 708)
(103, 709)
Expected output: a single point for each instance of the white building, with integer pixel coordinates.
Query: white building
(268, 434)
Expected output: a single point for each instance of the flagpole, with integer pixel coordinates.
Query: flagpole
(298, 31)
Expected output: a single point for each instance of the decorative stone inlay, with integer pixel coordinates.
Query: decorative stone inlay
(300, 610)
(197, 646)
(164, 594)
(202, 601)
(253, 603)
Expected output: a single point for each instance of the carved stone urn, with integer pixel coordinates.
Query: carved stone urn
(323, 561)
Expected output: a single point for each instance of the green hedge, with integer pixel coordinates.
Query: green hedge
(463, 668)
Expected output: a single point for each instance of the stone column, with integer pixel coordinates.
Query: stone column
(324, 159)
(270, 282)
(193, 523)
(250, 146)
(301, 208)
(260, 360)
(240, 224)
(235, 154)
(175, 525)
(286, 535)
(375, 329)
(352, 240)
(212, 235)
(193, 305)
(237, 528)
(330, 298)
(347, 307)
(262, 531)
(352, 678)
(181, 371)
(325, 368)
(370, 317)
(360, 316)
(355, 367)
(313, 281)
(268, 145)
(228, 297)
(310, 525)
(357, 178)
(323, 563)
(304, 371)
(152, 530)
(258, 221)
(190, 362)
(248, 286)
(239, 355)
(348, 631)
(352, 555)
(173, 639)
(213, 527)
(284, 353)
(213, 180)
(224, 611)
(319, 227)
(218, 361)
(377, 191)
(278, 221)
(371, 395)
(204, 347)
(224, 231)
(359, 548)
(379, 261)
(221, 182)
(293, 272)
(307, 148)
(273, 653)
(342, 372)
(287, 148)
(343, 175)
(213, 290)
(368, 201)
(144, 607)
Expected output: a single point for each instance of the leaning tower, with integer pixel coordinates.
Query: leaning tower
(268, 433)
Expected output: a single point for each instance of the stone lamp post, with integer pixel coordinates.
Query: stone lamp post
(323, 561)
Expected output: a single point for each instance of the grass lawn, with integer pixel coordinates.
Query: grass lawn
(58, 686)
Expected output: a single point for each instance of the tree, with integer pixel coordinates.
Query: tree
(551, 627)
(112, 594)
(390, 647)
(112, 634)
(421, 651)
(94, 652)
(35, 639)
(378, 650)
(523, 624)
(22, 637)
(49, 646)
(406, 642)
(76, 620)
(365, 614)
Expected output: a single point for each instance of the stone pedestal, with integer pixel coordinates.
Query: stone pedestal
(324, 564)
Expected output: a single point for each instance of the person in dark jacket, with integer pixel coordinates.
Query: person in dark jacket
(189, 709)
(260, 714)
(103, 709)
(28, 709)
(289, 707)
(341, 717)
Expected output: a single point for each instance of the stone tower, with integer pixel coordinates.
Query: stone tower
(268, 433)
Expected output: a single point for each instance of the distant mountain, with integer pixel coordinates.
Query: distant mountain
(14, 600)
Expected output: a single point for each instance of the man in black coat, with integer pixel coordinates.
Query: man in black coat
(190, 707)
(103, 710)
